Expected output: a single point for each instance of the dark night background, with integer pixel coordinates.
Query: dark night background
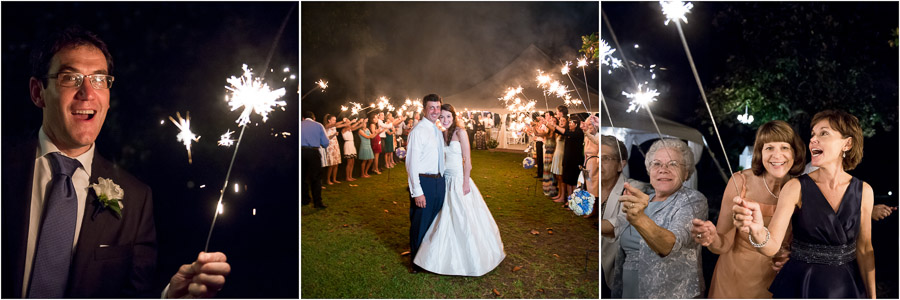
(410, 49)
(787, 61)
(175, 57)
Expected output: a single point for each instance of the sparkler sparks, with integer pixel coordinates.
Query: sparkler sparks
(675, 10)
(606, 57)
(226, 140)
(640, 99)
(185, 136)
(322, 84)
(565, 68)
(253, 95)
(582, 62)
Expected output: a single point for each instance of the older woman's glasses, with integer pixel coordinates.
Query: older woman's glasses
(98, 81)
(671, 165)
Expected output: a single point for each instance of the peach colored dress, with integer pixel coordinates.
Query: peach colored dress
(743, 273)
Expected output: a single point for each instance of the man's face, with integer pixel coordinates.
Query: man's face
(73, 116)
(432, 110)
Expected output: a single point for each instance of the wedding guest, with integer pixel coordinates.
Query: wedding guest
(573, 158)
(366, 154)
(389, 143)
(657, 256)
(830, 216)
(376, 140)
(538, 145)
(591, 158)
(480, 142)
(349, 145)
(549, 181)
(778, 156)
(613, 160)
(332, 152)
(312, 138)
(556, 165)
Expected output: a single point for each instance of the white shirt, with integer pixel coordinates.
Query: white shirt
(422, 155)
(386, 126)
(42, 175)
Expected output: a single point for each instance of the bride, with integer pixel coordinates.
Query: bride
(463, 239)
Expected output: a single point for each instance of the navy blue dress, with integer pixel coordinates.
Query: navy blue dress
(823, 259)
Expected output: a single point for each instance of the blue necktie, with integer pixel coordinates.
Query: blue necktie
(54, 245)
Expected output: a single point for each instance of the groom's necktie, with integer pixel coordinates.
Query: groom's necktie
(54, 245)
(440, 139)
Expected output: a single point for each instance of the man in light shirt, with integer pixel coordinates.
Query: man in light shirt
(425, 166)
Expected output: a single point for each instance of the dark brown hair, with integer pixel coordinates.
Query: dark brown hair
(72, 36)
(848, 126)
(453, 126)
(775, 132)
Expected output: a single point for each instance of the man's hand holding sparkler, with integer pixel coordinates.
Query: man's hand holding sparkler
(201, 279)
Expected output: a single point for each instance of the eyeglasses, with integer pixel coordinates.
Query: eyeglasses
(98, 81)
(656, 164)
(607, 158)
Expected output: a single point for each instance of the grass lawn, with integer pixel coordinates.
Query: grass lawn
(353, 248)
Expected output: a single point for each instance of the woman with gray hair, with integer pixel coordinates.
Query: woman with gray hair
(658, 258)
(613, 158)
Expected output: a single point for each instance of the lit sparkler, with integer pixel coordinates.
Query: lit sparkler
(640, 99)
(185, 136)
(226, 140)
(253, 95)
(321, 84)
(675, 10)
(606, 57)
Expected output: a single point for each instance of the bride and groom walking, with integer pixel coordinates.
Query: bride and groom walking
(451, 229)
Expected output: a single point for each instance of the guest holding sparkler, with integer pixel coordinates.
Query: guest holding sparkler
(556, 166)
(538, 144)
(366, 154)
(50, 250)
(390, 142)
(549, 181)
(657, 256)
(830, 215)
(778, 156)
(349, 146)
(573, 157)
(333, 152)
(375, 128)
(591, 160)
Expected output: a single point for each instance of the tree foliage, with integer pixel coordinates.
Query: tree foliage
(787, 61)
(589, 46)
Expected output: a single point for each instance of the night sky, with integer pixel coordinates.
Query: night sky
(411, 49)
(175, 57)
(717, 34)
(713, 39)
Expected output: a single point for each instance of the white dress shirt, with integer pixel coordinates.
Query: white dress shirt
(42, 175)
(423, 155)
(386, 126)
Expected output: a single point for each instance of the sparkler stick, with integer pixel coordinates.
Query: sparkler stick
(609, 118)
(675, 10)
(260, 89)
(565, 70)
(582, 65)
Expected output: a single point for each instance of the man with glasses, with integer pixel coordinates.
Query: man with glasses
(61, 237)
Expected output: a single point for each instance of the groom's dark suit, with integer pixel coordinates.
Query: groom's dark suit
(115, 257)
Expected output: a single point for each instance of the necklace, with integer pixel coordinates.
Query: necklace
(767, 188)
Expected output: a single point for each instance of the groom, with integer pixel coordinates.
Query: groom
(425, 164)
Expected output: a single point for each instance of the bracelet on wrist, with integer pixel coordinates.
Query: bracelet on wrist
(763, 244)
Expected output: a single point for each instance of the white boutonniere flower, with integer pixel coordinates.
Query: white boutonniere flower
(110, 194)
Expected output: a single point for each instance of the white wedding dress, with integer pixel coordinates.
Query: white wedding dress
(463, 239)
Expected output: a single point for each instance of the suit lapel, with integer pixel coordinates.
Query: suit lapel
(18, 173)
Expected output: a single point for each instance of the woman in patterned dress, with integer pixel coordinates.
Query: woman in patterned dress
(333, 152)
(549, 185)
(376, 141)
